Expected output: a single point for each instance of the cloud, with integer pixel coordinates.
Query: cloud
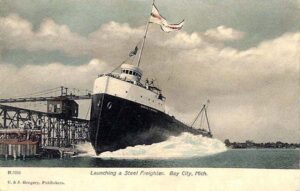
(254, 93)
(224, 33)
(184, 40)
(17, 33)
(33, 78)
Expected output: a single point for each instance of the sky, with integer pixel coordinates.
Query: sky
(241, 55)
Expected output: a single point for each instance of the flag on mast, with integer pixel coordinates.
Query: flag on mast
(133, 52)
(160, 20)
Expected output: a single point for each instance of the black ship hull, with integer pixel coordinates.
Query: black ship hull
(117, 123)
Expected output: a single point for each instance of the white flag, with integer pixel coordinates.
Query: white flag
(165, 26)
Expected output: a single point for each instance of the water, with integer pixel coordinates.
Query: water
(184, 151)
(184, 146)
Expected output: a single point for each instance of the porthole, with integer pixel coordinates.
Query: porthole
(99, 103)
(109, 105)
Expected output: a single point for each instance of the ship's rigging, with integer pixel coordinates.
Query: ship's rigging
(156, 18)
(202, 115)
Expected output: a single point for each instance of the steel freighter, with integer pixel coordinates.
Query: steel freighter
(125, 111)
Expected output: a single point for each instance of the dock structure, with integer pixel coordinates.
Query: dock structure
(60, 152)
(18, 149)
(25, 133)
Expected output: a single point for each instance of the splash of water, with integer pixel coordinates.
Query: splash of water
(184, 146)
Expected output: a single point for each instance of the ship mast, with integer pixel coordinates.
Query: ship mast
(208, 126)
(203, 110)
(144, 39)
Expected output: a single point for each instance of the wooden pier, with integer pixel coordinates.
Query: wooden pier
(28, 133)
(18, 149)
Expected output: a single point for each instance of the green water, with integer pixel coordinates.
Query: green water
(237, 158)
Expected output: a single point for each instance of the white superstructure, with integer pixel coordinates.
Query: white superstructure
(127, 86)
(131, 73)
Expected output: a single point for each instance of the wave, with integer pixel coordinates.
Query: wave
(184, 146)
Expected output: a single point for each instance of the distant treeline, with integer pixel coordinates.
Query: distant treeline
(252, 144)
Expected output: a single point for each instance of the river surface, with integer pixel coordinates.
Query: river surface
(236, 158)
(186, 150)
